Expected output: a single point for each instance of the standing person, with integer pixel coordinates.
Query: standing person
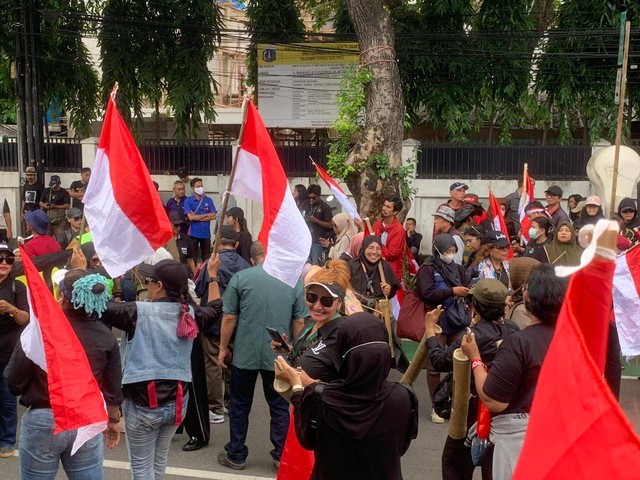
(176, 204)
(492, 258)
(200, 211)
(74, 222)
(360, 424)
(444, 222)
(156, 345)
(572, 203)
(344, 230)
(54, 201)
(392, 234)
(6, 231)
(457, 194)
(183, 175)
(489, 297)
(300, 194)
(553, 195)
(32, 191)
(41, 243)
(180, 245)
(473, 237)
(42, 450)
(564, 249)
(413, 238)
(441, 281)
(590, 214)
(14, 314)
(539, 235)
(78, 187)
(253, 301)
(317, 214)
(520, 269)
(234, 217)
(629, 219)
(509, 386)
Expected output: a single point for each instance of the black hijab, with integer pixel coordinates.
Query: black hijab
(450, 271)
(354, 401)
(360, 276)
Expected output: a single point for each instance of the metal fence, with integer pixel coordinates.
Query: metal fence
(294, 155)
(201, 157)
(8, 155)
(60, 155)
(496, 162)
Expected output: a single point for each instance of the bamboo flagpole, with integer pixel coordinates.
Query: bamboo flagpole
(225, 197)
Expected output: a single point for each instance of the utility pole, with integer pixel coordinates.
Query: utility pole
(23, 158)
(36, 53)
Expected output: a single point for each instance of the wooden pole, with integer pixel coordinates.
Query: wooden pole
(460, 400)
(225, 196)
(623, 85)
(418, 360)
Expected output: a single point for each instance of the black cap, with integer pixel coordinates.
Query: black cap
(173, 275)
(175, 218)
(227, 231)
(497, 239)
(235, 212)
(182, 172)
(74, 212)
(457, 185)
(554, 190)
(5, 248)
(55, 180)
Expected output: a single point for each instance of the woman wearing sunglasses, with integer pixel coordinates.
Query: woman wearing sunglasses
(314, 350)
(492, 257)
(14, 314)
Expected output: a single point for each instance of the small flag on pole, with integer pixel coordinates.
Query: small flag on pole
(526, 198)
(497, 221)
(342, 198)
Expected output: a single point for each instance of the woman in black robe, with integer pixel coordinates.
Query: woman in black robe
(360, 424)
(365, 272)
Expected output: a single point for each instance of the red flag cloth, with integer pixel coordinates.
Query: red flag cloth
(296, 462)
(577, 428)
(127, 219)
(526, 197)
(338, 193)
(50, 342)
(497, 220)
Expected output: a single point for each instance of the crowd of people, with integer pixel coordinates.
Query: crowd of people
(198, 328)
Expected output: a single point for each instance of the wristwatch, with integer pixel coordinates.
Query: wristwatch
(214, 279)
(297, 388)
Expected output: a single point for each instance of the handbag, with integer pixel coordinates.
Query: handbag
(411, 318)
(458, 315)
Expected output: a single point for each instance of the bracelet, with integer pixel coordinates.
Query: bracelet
(476, 363)
(114, 420)
(214, 279)
(297, 388)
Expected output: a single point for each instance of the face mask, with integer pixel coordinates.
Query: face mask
(447, 258)
(199, 190)
(533, 233)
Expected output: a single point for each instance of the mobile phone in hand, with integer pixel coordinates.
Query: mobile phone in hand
(276, 337)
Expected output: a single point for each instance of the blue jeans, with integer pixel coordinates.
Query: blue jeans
(316, 253)
(41, 451)
(8, 413)
(149, 432)
(243, 384)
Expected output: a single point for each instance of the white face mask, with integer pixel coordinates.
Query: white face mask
(447, 258)
(199, 190)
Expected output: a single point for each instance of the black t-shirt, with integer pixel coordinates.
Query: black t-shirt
(31, 196)
(15, 293)
(321, 361)
(536, 251)
(186, 248)
(322, 211)
(244, 245)
(60, 197)
(513, 376)
(78, 186)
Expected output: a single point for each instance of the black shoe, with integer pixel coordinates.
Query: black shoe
(224, 460)
(193, 444)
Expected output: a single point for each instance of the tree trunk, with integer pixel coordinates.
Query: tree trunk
(384, 111)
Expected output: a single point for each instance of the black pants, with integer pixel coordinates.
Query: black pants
(196, 420)
(205, 248)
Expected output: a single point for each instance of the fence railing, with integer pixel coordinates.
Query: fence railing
(294, 155)
(8, 155)
(60, 155)
(200, 157)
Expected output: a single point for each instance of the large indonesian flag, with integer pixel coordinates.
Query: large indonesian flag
(626, 301)
(50, 342)
(337, 192)
(497, 220)
(123, 209)
(577, 428)
(259, 176)
(526, 197)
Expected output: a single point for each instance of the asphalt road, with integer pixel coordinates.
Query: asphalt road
(422, 461)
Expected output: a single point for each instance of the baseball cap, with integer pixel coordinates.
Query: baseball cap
(490, 292)
(497, 239)
(593, 200)
(226, 231)
(235, 212)
(182, 172)
(74, 212)
(334, 289)
(175, 218)
(5, 248)
(445, 212)
(55, 180)
(579, 206)
(457, 185)
(554, 190)
(172, 274)
(38, 220)
(30, 170)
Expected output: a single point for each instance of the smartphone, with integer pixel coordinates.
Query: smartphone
(276, 337)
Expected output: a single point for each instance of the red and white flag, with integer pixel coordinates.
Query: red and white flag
(577, 428)
(49, 341)
(342, 198)
(260, 177)
(128, 222)
(626, 301)
(497, 219)
(526, 197)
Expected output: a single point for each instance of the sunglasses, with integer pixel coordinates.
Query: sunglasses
(6, 259)
(76, 218)
(324, 301)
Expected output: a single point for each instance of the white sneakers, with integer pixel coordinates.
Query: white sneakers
(215, 418)
(435, 418)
